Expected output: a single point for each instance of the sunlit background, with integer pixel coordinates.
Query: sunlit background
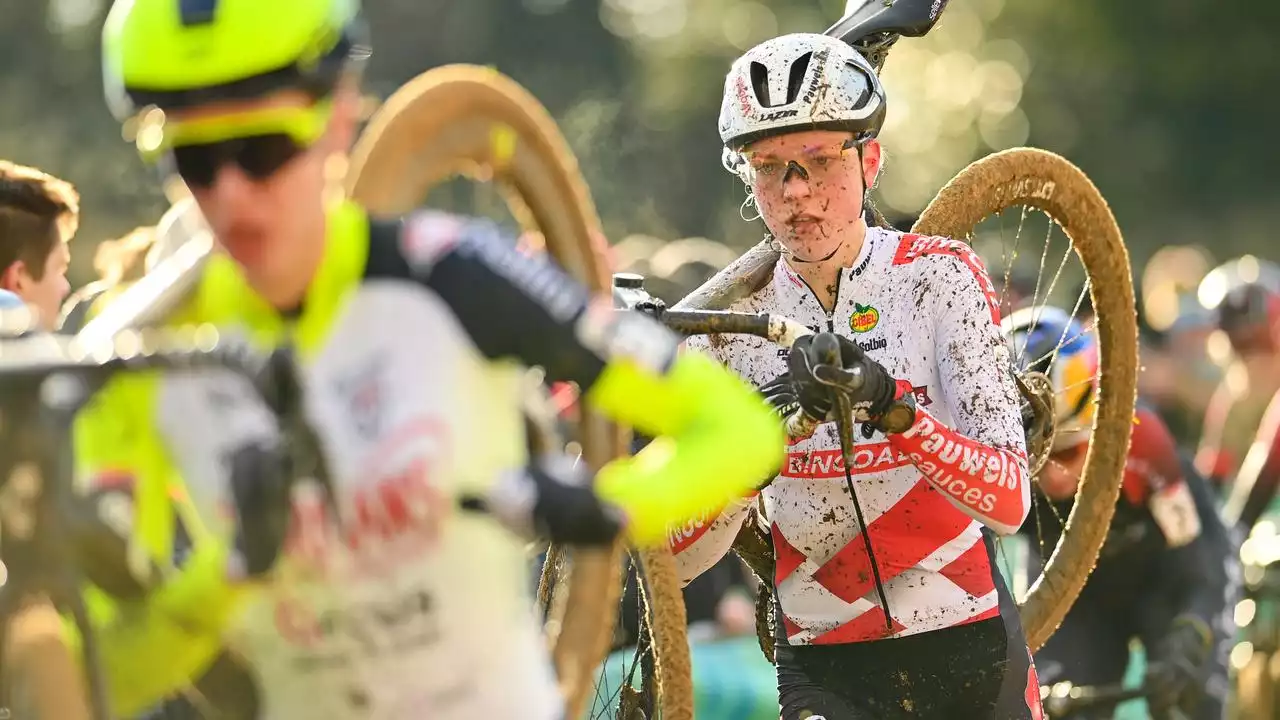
(1170, 122)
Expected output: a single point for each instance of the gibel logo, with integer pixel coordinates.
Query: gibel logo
(864, 318)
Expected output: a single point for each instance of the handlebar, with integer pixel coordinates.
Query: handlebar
(630, 296)
(45, 379)
(777, 329)
(34, 357)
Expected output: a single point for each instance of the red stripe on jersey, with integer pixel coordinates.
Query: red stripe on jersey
(867, 458)
(681, 537)
(791, 628)
(870, 625)
(972, 570)
(987, 480)
(786, 557)
(910, 531)
(912, 247)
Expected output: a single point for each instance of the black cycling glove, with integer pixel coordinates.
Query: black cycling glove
(823, 364)
(552, 499)
(1175, 673)
(781, 394)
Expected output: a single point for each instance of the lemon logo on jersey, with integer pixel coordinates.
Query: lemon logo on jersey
(864, 318)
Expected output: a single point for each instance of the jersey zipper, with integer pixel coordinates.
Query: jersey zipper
(848, 477)
(857, 506)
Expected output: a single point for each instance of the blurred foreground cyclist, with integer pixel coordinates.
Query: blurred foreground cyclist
(401, 607)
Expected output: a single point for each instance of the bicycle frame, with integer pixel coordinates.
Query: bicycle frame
(1062, 700)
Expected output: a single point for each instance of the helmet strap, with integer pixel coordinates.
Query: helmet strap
(867, 210)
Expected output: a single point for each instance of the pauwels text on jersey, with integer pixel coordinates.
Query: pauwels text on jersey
(994, 467)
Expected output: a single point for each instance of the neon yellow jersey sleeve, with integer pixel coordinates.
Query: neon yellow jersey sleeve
(716, 441)
(152, 648)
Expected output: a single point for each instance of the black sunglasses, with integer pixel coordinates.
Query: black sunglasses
(259, 156)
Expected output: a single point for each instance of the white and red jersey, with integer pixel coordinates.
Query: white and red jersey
(925, 309)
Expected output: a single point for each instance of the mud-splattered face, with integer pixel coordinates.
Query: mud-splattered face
(809, 187)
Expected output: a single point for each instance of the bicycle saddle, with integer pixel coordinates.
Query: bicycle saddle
(908, 18)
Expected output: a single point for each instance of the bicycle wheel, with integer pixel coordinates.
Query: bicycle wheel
(1033, 179)
(475, 122)
(639, 681)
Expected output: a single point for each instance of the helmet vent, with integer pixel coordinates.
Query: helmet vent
(865, 96)
(760, 83)
(197, 12)
(798, 70)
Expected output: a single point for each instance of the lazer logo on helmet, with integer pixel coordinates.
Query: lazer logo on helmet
(778, 115)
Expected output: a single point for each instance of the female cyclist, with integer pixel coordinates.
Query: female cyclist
(889, 603)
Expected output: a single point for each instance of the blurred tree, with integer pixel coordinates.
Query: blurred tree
(1168, 107)
(55, 117)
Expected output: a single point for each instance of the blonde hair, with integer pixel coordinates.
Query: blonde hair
(123, 259)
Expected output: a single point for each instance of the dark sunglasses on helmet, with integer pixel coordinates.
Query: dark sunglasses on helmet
(259, 156)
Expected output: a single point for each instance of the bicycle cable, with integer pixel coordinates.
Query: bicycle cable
(844, 414)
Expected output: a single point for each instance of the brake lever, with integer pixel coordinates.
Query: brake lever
(290, 407)
(839, 378)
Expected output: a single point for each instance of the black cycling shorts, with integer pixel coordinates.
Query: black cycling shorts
(978, 671)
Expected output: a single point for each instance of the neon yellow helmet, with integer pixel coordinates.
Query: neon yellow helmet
(177, 53)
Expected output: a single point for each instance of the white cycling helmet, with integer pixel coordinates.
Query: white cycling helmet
(802, 81)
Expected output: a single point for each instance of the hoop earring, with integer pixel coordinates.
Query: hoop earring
(750, 202)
